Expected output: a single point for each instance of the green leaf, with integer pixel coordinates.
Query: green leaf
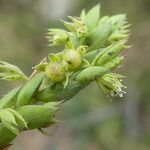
(19, 117)
(118, 21)
(47, 82)
(29, 89)
(10, 127)
(7, 99)
(83, 15)
(38, 115)
(114, 63)
(53, 105)
(110, 53)
(10, 76)
(99, 55)
(8, 116)
(85, 63)
(103, 20)
(11, 72)
(91, 74)
(8, 120)
(66, 81)
(91, 55)
(99, 36)
(92, 17)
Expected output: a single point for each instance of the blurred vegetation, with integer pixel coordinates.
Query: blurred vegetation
(90, 120)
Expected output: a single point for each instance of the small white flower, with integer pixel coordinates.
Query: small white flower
(111, 84)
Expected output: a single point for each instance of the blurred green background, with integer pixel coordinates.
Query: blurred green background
(89, 121)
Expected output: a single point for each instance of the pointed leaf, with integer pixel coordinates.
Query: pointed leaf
(6, 100)
(19, 117)
(10, 127)
(99, 36)
(8, 120)
(91, 74)
(11, 72)
(7, 116)
(29, 89)
(92, 17)
(83, 15)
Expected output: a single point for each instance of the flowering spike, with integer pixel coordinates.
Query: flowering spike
(91, 50)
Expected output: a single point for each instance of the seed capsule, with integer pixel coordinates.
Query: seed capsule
(73, 58)
(55, 72)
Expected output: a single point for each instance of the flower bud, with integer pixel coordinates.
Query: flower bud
(55, 72)
(114, 63)
(111, 52)
(111, 84)
(73, 58)
(77, 26)
(56, 37)
(118, 35)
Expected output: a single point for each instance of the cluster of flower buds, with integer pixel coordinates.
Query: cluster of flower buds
(84, 35)
(61, 65)
(88, 40)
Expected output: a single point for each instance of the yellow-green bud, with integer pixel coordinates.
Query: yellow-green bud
(73, 58)
(55, 72)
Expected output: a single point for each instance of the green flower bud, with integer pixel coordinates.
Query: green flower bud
(73, 58)
(110, 53)
(111, 84)
(114, 63)
(56, 37)
(55, 72)
(118, 35)
(76, 25)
